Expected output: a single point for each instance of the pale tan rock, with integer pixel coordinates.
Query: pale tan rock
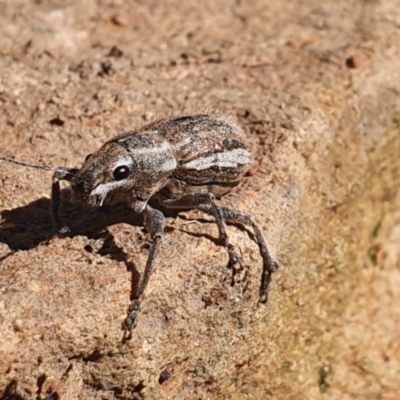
(326, 194)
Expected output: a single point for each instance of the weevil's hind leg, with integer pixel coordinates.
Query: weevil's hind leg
(206, 202)
(61, 175)
(154, 222)
(269, 264)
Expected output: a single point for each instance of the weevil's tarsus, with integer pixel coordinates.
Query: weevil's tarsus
(131, 321)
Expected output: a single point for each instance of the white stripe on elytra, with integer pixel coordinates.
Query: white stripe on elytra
(227, 159)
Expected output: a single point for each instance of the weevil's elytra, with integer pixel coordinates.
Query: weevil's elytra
(184, 162)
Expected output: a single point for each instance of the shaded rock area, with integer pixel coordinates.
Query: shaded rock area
(316, 87)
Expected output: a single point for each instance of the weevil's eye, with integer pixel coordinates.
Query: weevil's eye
(87, 157)
(121, 172)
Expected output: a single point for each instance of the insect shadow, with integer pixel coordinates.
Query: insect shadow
(31, 225)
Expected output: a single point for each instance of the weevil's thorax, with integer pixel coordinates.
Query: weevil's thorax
(154, 159)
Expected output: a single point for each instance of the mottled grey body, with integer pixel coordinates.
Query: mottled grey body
(171, 158)
(184, 162)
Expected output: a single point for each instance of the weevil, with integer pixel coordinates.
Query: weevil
(185, 162)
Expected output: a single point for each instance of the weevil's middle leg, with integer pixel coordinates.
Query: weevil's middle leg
(154, 221)
(61, 175)
(206, 202)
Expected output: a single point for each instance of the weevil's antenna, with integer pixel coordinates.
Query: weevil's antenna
(45, 167)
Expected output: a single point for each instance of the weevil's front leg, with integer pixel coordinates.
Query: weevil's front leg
(208, 202)
(61, 175)
(269, 264)
(154, 223)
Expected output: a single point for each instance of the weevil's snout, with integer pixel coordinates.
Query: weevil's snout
(81, 187)
(109, 171)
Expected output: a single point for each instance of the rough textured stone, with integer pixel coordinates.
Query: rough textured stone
(316, 87)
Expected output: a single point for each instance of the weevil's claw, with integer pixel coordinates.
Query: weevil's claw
(269, 268)
(235, 262)
(131, 321)
(63, 231)
(263, 298)
(60, 232)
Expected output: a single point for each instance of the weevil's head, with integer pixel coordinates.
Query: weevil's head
(110, 172)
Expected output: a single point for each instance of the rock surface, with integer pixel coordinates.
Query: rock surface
(316, 86)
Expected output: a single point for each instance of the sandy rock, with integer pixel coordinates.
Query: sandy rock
(316, 89)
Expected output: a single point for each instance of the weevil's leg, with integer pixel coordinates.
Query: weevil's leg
(154, 223)
(269, 264)
(208, 202)
(58, 176)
